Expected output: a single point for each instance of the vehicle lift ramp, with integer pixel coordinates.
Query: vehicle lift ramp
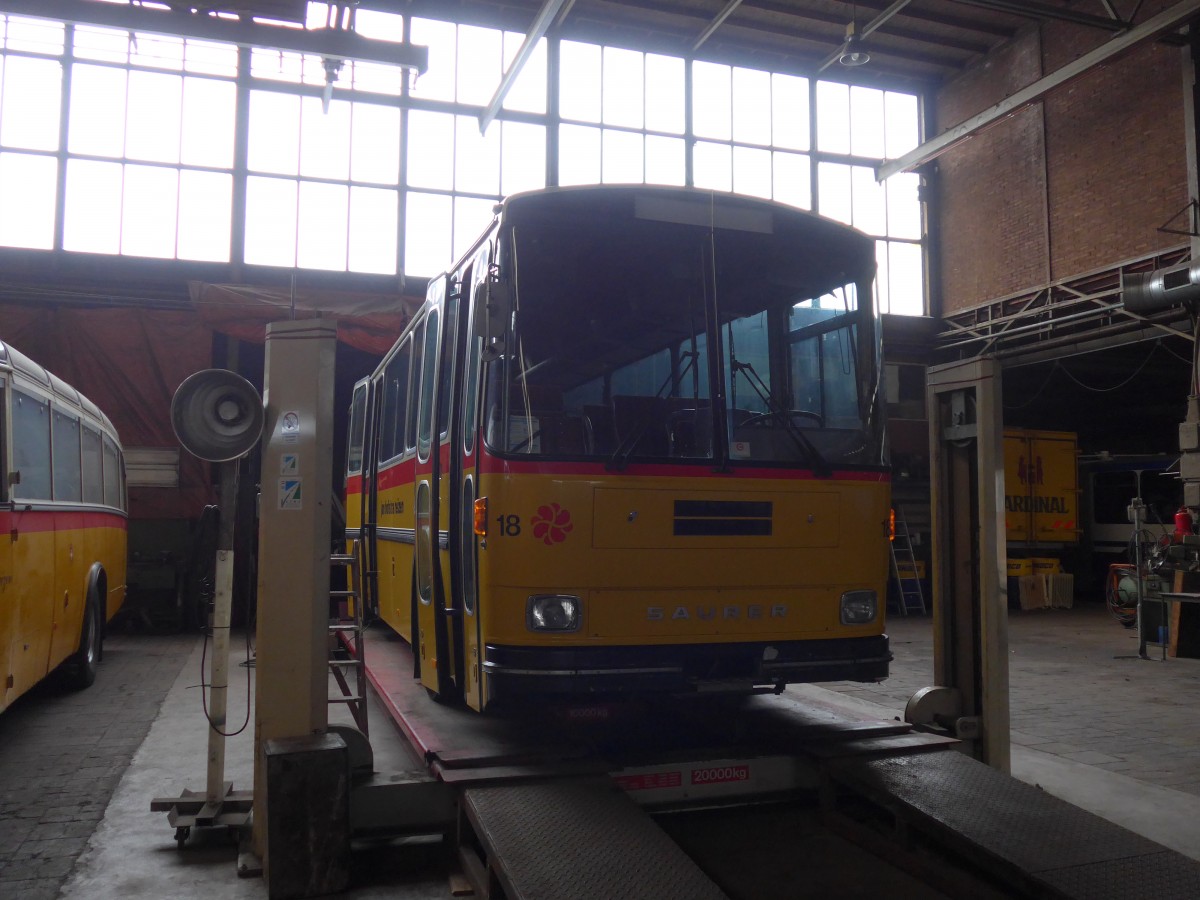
(549, 815)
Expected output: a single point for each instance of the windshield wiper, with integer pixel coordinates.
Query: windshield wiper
(807, 449)
(620, 456)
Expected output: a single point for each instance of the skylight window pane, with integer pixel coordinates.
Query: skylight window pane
(102, 44)
(578, 155)
(431, 150)
(792, 183)
(883, 289)
(374, 217)
(903, 206)
(30, 184)
(664, 93)
(751, 106)
(325, 139)
(277, 65)
(274, 144)
(712, 166)
(375, 144)
(427, 230)
(752, 172)
(471, 217)
(528, 92)
(209, 116)
(711, 101)
(476, 157)
(666, 160)
(92, 215)
(478, 64)
(437, 82)
(323, 225)
(149, 210)
(271, 221)
(35, 36)
(789, 112)
(901, 123)
(205, 215)
(870, 202)
(906, 280)
(97, 114)
(382, 26)
(623, 92)
(152, 128)
(376, 78)
(866, 122)
(522, 157)
(156, 51)
(209, 58)
(833, 117)
(579, 81)
(31, 101)
(834, 192)
(622, 157)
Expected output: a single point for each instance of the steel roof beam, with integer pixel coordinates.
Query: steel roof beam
(1167, 20)
(716, 23)
(541, 24)
(1034, 10)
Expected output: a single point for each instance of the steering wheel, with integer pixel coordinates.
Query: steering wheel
(760, 420)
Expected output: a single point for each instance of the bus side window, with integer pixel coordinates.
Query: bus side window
(395, 402)
(93, 479)
(357, 430)
(112, 474)
(31, 447)
(68, 476)
(414, 387)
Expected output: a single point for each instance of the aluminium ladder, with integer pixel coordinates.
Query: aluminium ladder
(346, 638)
(909, 596)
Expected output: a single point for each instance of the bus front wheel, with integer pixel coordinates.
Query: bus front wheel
(87, 657)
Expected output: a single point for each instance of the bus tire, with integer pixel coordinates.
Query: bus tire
(82, 669)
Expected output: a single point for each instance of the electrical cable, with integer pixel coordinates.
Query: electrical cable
(1115, 387)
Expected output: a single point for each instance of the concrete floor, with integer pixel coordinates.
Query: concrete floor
(1091, 723)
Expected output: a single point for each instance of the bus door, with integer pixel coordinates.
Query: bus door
(463, 477)
(9, 607)
(431, 641)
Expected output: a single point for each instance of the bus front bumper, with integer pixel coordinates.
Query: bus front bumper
(521, 671)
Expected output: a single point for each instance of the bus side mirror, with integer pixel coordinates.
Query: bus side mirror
(14, 477)
(493, 315)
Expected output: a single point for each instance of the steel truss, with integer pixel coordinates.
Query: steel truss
(1063, 318)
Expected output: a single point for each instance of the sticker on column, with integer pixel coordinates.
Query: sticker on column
(290, 493)
(289, 464)
(289, 426)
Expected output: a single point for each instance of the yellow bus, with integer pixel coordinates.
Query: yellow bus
(64, 520)
(632, 442)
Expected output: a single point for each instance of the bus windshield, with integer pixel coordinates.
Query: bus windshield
(666, 331)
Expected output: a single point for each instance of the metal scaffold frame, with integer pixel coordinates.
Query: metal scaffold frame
(1071, 315)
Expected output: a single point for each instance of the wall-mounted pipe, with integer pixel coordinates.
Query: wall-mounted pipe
(1161, 289)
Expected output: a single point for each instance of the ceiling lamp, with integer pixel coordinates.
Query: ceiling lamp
(853, 53)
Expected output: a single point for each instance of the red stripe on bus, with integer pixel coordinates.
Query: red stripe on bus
(58, 520)
(396, 475)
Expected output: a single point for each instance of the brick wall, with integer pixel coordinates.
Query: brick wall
(1080, 181)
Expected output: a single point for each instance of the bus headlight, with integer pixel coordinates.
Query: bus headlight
(552, 612)
(859, 607)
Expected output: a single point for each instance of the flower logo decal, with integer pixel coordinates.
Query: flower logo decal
(552, 524)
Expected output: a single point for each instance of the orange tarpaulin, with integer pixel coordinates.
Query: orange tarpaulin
(369, 322)
(129, 360)
(129, 363)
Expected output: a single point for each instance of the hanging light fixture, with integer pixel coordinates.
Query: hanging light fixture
(853, 53)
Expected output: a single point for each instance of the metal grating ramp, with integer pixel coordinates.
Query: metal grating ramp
(583, 839)
(1019, 832)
